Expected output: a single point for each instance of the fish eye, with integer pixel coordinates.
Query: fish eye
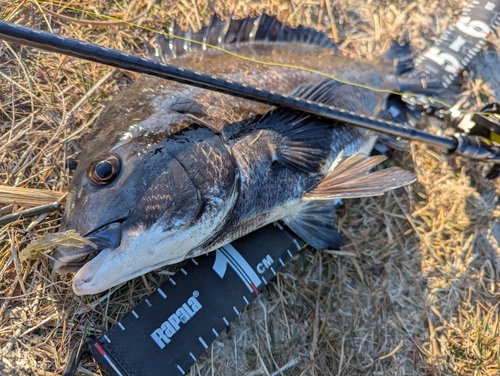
(105, 169)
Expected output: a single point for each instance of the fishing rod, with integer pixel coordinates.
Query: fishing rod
(469, 146)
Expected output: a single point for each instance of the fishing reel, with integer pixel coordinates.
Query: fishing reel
(484, 128)
(478, 136)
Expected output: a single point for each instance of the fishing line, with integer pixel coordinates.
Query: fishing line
(119, 59)
(237, 55)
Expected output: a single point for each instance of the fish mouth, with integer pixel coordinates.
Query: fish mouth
(67, 259)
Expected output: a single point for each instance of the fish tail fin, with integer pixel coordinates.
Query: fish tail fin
(219, 32)
(410, 79)
(314, 223)
(401, 57)
(352, 178)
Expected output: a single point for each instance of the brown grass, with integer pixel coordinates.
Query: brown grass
(415, 290)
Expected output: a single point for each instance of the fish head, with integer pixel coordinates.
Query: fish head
(145, 201)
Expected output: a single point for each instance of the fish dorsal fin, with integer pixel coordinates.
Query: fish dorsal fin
(219, 32)
(352, 178)
(314, 223)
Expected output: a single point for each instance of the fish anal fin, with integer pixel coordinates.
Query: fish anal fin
(352, 178)
(314, 223)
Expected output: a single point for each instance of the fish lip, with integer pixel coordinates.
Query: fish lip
(92, 284)
(72, 266)
(66, 259)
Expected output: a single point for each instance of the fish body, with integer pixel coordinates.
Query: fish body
(171, 171)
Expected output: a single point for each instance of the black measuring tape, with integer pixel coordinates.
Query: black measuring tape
(461, 42)
(168, 331)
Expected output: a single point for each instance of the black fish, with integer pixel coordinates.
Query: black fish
(172, 171)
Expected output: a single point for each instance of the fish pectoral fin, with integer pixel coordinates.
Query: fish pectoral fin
(314, 223)
(304, 150)
(302, 141)
(352, 178)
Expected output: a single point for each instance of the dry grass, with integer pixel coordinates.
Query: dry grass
(415, 291)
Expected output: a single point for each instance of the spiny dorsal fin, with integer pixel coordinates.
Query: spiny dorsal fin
(219, 32)
(352, 178)
(314, 224)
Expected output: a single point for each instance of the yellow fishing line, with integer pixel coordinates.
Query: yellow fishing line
(251, 59)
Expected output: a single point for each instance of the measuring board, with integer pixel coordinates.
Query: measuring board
(461, 42)
(168, 331)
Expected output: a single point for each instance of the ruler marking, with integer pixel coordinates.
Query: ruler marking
(277, 224)
(296, 243)
(135, 314)
(235, 310)
(112, 365)
(148, 302)
(264, 280)
(215, 332)
(225, 321)
(203, 342)
(289, 253)
(273, 271)
(121, 326)
(246, 300)
(172, 281)
(180, 369)
(107, 358)
(281, 262)
(194, 262)
(192, 356)
(184, 272)
(162, 293)
(107, 338)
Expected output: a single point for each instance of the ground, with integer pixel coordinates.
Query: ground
(415, 290)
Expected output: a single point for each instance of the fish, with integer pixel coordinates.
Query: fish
(170, 171)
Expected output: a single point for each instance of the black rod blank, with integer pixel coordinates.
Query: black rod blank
(88, 51)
